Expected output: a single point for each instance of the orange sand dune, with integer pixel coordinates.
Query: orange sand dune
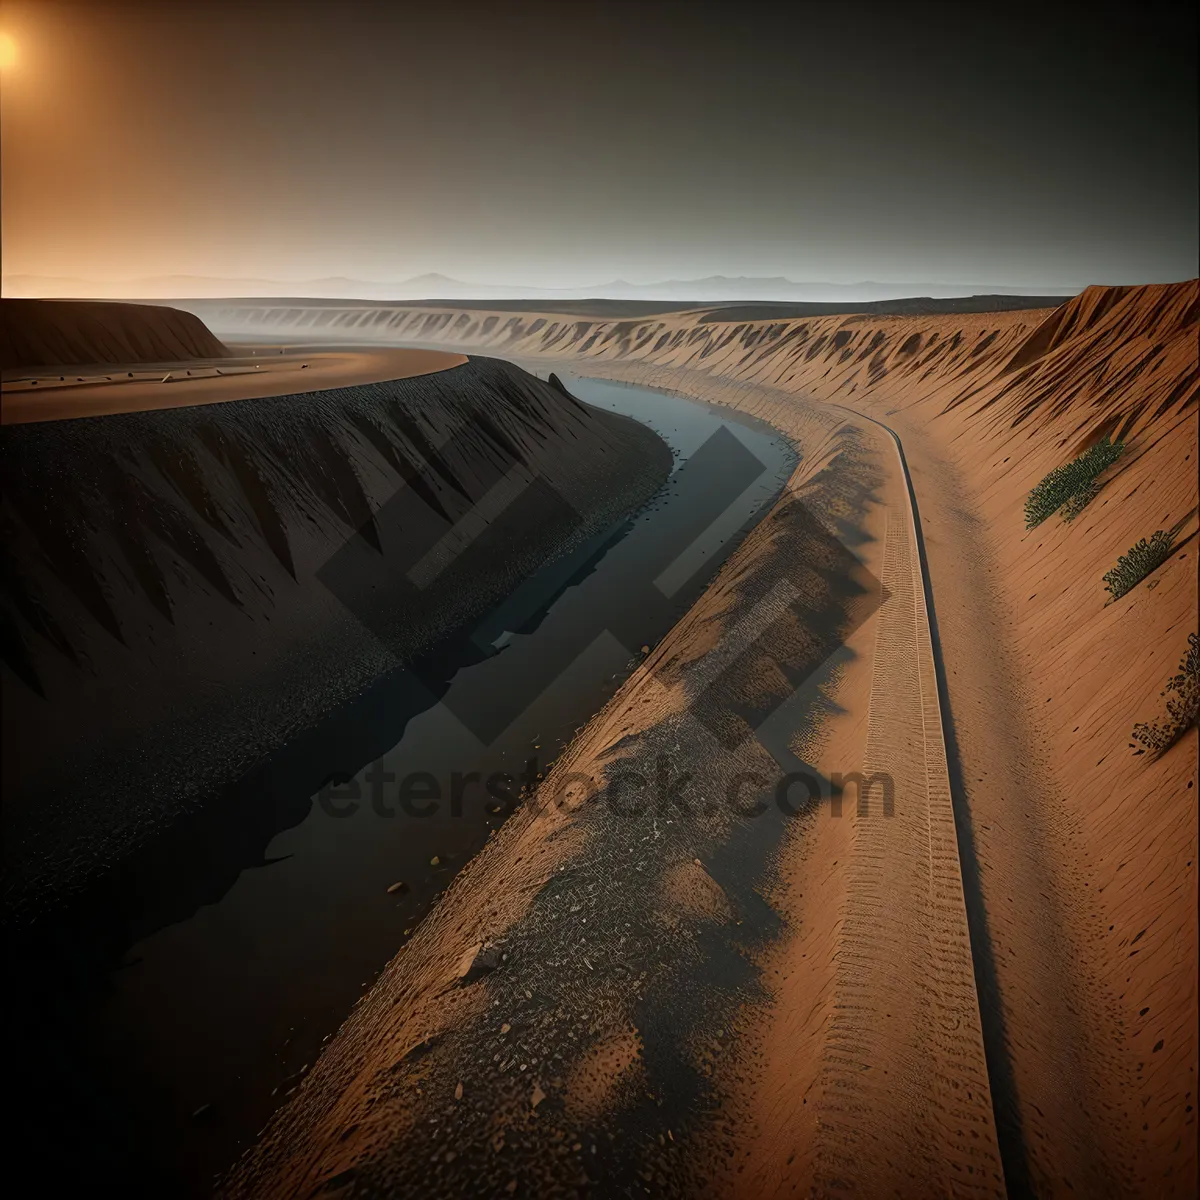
(1077, 850)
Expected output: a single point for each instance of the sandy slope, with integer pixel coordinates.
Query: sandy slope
(1077, 854)
(903, 987)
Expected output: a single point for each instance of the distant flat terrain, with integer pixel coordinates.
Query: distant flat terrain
(38, 395)
(915, 306)
(710, 310)
(590, 308)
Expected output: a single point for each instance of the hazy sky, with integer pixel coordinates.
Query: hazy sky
(567, 144)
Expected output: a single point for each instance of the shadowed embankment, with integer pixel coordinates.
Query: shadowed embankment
(186, 589)
(37, 333)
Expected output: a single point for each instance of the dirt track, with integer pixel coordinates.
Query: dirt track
(908, 1023)
(36, 395)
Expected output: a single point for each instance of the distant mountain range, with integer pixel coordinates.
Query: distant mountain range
(440, 287)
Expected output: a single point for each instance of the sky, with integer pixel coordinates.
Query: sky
(563, 145)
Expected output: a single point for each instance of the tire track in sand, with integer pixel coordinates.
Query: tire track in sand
(905, 1106)
(902, 1093)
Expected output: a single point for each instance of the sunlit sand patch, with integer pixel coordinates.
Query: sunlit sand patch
(607, 1070)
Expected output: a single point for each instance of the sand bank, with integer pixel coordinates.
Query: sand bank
(621, 930)
(1077, 853)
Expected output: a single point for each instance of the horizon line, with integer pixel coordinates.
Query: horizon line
(536, 287)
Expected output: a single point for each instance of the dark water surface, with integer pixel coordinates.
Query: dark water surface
(244, 942)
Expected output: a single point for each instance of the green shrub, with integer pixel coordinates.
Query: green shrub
(1072, 486)
(1182, 708)
(1133, 566)
(1080, 501)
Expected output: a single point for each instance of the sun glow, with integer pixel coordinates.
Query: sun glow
(8, 52)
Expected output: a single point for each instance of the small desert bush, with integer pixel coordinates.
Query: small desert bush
(1072, 486)
(1133, 566)
(1182, 707)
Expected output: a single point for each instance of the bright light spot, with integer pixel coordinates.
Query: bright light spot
(8, 52)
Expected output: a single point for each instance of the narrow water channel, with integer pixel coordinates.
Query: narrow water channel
(217, 1011)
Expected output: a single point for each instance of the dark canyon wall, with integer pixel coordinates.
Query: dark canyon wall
(184, 590)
